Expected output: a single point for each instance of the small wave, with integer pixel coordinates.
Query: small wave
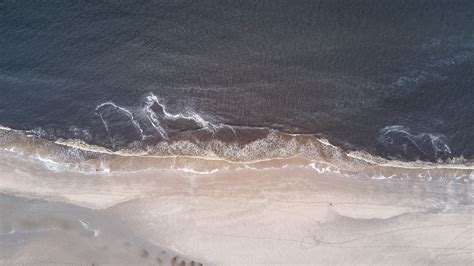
(153, 99)
(123, 110)
(273, 151)
(399, 142)
(150, 119)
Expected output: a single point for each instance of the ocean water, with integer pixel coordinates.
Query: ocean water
(242, 80)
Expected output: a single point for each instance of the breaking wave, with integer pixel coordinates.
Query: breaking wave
(399, 142)
(272, 149)
(150, 136)
(150, 121)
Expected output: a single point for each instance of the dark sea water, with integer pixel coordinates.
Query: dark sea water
(393, 78)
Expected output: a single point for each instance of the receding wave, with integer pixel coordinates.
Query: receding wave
(400, 142)
(203, 152)
(148, 122)
(151, 136)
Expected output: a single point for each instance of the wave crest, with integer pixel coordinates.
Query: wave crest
(399, 142)
(275, 150)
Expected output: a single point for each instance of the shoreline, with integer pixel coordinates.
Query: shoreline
(327, 153)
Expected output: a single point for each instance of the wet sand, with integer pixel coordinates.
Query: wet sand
(276, 212)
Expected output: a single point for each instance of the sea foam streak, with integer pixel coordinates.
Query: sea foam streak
(152, 99)
(275, 150)
(124, 110)
(159, 119)
(153, 116)
(399, 141)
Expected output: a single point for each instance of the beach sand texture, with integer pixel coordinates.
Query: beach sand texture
(278, 212)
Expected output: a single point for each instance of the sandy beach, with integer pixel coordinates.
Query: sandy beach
(276, 212)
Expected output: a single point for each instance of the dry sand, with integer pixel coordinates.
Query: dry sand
(277, 213)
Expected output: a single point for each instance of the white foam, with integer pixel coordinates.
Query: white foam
(151, 99)
(107, 129)
(37, 132)
(190, 170)
(275, 145)
(220, 126)
(322, 170)
(5, 128)
(153, 118)
(127, 112)
(50, 164)
(104, 168)
(365, 157)
(438, 141)
(12, 150)
(11, 232)
(425, 176)
(88, 228)
(381, 177)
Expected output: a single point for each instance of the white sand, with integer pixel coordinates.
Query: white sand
(291, 215)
